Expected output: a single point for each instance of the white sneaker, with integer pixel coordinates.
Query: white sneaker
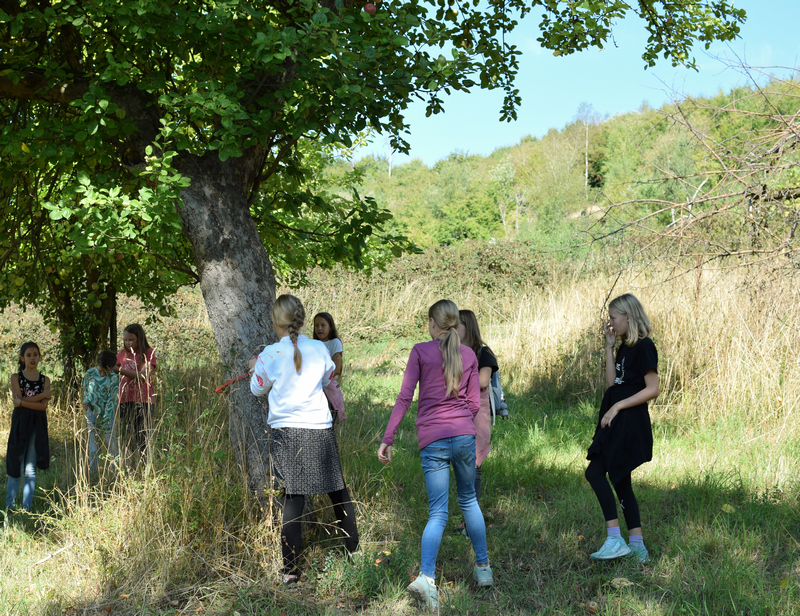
(614, 547)
(423, 589)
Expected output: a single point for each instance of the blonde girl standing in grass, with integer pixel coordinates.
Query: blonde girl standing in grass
(325, 331)
(303, 450)
(449, 399)
(623, 439)
(28, 441)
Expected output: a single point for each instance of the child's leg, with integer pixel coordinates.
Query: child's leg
(94, 446)
(29, 471)
(436, 468)
(291, 531)
(463, 458)
(614, 545)
(12, 487)
(596, 476)
(630, 508)
(346, 516)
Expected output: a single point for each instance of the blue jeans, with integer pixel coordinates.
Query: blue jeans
(27, 470)
(436, 460)
(95, 433)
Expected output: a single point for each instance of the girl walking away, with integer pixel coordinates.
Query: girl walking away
(470, 335)
(623, 439)
(325, 331)
(100, 396)
(303, 450)
(136, 365)
(28, 443)
(449, 399)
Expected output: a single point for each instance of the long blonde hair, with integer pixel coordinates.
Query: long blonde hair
(638, 323)
(445, 316)
(288, 313)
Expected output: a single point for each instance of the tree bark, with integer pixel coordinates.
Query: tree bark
(238, 286)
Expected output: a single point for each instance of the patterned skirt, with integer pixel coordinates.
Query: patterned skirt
(305, 461)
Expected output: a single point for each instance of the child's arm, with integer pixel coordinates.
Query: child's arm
(89, 393)
(37, 402)
(649, 392)
(337, 360)
(611, 340)
(145, 373)
(485, 377)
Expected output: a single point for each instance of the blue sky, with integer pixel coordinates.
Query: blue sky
(612, 81)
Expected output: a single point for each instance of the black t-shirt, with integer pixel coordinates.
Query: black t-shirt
(486, 359)
(632, 363)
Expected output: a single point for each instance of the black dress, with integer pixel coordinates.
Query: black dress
(628, 442)
(23, 422)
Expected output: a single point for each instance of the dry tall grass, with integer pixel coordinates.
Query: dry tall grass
(181, 535)
(727, 342)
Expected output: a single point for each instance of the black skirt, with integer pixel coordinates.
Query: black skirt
(627, 443)
(305, 461)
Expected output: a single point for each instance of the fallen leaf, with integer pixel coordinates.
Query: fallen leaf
(728, 508)
(621, 582)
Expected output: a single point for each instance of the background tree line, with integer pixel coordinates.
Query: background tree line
(707, 178)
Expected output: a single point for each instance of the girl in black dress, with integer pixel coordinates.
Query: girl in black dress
(623, 439)
(28, 443)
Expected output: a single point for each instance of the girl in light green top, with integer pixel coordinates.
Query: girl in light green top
(100, 396)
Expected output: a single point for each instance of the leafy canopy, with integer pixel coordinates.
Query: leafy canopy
(103, 99)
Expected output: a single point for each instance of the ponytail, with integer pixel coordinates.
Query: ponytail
(445, 315)
(288, 313)
(453, 365)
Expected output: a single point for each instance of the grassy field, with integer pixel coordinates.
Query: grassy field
(719, 499)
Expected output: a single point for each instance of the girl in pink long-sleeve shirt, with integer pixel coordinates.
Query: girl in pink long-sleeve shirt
(449, 398)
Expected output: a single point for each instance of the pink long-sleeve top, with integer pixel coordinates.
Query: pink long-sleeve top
(438, 416)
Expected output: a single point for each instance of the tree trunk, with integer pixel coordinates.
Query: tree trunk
(238, 287)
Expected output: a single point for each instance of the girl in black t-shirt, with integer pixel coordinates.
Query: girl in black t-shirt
(487, 365)
(623, 439)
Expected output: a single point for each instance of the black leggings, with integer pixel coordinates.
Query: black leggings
(291, 531)
(596, 476)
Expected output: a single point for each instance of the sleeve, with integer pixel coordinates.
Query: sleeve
(487, 359)
(112, 397)
(90, 389)
(405, 397)
(337, 347)
(260, 383)
(120, 357)
(648, 356)
(150, 357)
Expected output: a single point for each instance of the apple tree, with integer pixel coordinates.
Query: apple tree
(198, 112)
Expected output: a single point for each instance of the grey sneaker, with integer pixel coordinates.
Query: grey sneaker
(640, 553)
(483, 575)
(614, 547)
(423, 590)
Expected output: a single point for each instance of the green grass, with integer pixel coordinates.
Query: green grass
(719, 509)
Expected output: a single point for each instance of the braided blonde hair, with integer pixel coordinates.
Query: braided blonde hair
(445, 316)
(288, 313)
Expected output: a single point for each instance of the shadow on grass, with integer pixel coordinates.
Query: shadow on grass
(718, 546)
